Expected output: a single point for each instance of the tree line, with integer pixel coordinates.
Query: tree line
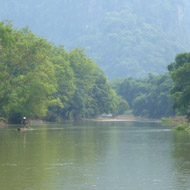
(147, 97)
(42, 81)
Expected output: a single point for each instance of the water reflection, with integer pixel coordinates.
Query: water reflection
(93, 155)
(181, 155)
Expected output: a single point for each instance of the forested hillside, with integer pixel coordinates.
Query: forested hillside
(42, 81)
(126, 38)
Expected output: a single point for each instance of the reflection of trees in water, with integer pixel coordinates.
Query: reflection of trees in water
(181, 154)
(56, 156)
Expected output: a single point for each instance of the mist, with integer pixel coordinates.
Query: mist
(126, 38)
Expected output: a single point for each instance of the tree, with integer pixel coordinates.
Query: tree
(28, 76)
(180, 72)
(65, 84)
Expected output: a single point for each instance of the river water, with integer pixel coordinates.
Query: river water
(95, 156)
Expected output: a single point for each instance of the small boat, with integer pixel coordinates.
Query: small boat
(24, 129)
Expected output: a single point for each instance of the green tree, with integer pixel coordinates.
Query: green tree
(84, 74)
(180, 72)
(105, 98)
(28, 76)
(65, 84)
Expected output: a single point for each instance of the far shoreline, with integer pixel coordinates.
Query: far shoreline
(121, 118)
(127, 118)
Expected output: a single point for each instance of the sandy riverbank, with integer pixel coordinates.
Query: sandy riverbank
(123, 118)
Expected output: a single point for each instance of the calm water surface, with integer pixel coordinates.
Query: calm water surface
(95, 156)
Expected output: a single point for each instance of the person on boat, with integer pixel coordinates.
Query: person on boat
(24, 122)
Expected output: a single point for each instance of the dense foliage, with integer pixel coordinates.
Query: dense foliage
(149, 97)
(40, 80)
(126, 38)
(180, 72)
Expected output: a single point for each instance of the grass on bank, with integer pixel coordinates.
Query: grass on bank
(179, 123)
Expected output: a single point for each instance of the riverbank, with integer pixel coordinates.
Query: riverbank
(179, 123)
(123, 118)
(3, 121)
(30, 122)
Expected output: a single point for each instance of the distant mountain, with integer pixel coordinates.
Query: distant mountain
(125, 37)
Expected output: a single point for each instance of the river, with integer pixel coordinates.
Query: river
(94, 156)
